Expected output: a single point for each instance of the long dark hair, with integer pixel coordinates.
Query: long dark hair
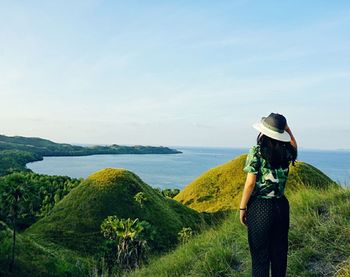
(277, 153)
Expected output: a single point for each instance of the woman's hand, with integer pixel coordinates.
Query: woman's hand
(292, 141)
(243, 217)
(287, 128)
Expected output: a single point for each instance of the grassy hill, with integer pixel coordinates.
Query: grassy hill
(75, 221)
(220, 188)
(319, 242)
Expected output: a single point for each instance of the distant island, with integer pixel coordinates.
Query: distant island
(17, 151)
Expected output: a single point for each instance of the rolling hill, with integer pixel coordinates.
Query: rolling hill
(75, 221)
(319, 232)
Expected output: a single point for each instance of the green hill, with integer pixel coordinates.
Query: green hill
(75, 221)
(220, 188)
(319, 242)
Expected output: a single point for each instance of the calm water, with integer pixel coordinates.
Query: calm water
(177, 170)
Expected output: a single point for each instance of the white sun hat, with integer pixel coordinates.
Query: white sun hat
(273, 126)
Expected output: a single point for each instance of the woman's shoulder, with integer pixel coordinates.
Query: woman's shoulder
(252, 163)
(254, 150)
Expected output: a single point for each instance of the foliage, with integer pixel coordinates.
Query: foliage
(15, 197)
(170, 192)
(15, 160)
(185, 234)
(220, 188)
(140, 198)
(42, 193)
(128, 248)
(14, 200)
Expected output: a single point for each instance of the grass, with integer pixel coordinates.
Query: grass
(33, 259)
(320, 231)
(220, 188)
(319, 241)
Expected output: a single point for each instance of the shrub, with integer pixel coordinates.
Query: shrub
(126, 247)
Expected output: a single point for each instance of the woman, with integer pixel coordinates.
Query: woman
(264, 209)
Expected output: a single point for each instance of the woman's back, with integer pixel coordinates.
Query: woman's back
(271, 164)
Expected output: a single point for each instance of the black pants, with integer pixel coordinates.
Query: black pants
(268, 225)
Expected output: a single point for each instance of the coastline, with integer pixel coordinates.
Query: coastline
(175, 171)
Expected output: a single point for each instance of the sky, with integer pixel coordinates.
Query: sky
(175, 73)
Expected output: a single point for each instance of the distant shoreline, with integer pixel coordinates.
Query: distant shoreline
(17, 151)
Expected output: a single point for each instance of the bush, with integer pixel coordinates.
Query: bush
(125, 246)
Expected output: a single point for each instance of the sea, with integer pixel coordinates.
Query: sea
(178, 170)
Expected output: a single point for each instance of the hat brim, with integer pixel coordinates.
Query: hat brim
(272, 134)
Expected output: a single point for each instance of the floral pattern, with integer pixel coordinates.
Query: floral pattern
(270, 182)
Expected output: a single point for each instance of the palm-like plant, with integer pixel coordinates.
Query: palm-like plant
(126, 233)
(13, 197)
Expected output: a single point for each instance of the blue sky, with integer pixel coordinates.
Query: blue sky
(195, 73)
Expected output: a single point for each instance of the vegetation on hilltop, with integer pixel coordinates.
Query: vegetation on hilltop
(220, 188)
(77, 218)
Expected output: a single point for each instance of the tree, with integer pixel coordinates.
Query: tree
(44, 193)
(170, 192)
(14, 197)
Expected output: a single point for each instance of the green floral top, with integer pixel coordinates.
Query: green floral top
(270, 183)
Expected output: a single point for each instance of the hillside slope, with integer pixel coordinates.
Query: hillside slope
(75, 220)
(32, 259)
(220, 188)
